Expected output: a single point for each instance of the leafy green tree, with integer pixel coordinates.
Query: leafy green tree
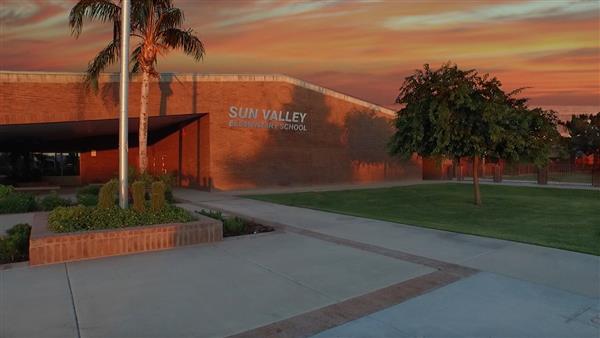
(155, 29)
(455, 113)
(585, 139)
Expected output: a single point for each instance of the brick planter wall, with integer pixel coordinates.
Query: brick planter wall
(47, 247)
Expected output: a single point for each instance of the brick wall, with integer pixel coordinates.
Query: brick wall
(50, 248)
(344, 142)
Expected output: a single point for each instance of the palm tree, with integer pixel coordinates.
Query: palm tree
(155, 29)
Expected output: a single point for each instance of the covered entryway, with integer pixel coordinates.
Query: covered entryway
(80, 152)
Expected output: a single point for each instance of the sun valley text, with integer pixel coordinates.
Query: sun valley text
(245, 117)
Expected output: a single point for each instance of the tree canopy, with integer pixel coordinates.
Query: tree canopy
(450, 112)
(155, 29)
(584, 130)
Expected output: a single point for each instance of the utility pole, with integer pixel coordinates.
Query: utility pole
(123, 94)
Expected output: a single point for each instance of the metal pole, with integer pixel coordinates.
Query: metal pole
(123, 93)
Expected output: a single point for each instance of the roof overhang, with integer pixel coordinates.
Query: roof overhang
(85, 135)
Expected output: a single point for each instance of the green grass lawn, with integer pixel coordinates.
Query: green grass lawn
(560, 218)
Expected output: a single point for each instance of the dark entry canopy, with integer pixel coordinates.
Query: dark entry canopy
(85, 135)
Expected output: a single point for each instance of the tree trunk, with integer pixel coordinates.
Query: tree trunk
(458, 170)
(477, 193)
(542, 175)
(596, 169)
(498, 171)
(143, 131)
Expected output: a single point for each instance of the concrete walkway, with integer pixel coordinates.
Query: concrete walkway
(201, 291)
(483, 305)
(7, 221)
(570, 271)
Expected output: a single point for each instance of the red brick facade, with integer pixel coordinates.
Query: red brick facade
(344, 141)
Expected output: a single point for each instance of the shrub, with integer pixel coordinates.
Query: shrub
(88, 200)
(233, 226)
(17, 202)
(107, 194)
(91, 189)
(52, 201)
(14, 246)
(158, 195)
(212, 214)
(147, 179)
(77, 218)
(138, 192)
(6, 190)
(168, 180)
(88, 195)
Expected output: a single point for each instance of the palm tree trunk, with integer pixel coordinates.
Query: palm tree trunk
(143, 131)
(476, 190)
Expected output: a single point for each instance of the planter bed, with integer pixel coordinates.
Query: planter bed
(46, 247)
(233, 225)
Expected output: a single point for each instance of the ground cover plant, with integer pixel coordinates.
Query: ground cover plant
(88, 195)
(561, 218)
(52, 201)
(12, 202)
(14, 245)
(107, 215)
(79, 218)
(235, 226)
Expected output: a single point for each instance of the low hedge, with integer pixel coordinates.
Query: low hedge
(88, 195)
(232, 226)
(17, 202)
(52, 201)
(78, 218)
(14, 246)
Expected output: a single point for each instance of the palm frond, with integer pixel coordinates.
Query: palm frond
(105, 57)
(140, 10)
(170, 18)
(185, 40)
(100, 10)
(135, 59)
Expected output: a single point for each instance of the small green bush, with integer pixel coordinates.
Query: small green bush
(6, 190)
(147, 179)
(158, 195)
(212, 214)
(17, 202)
(52, 201)
(169, 181)
(108, 194)
(87, 200)
(78, 218)
(91, 189)
(138, 192)
(14, 246)
(233, 226)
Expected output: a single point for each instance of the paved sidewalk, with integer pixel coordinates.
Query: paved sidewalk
(211, 290)
(483, 305)
(7, 221)
(566, 270)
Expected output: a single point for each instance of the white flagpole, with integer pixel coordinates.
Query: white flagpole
(123, 93)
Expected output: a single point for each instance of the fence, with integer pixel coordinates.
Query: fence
(563, 171)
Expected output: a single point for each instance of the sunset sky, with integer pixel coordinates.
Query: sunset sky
(361, 48)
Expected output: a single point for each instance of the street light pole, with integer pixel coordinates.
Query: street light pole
(123, 93)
